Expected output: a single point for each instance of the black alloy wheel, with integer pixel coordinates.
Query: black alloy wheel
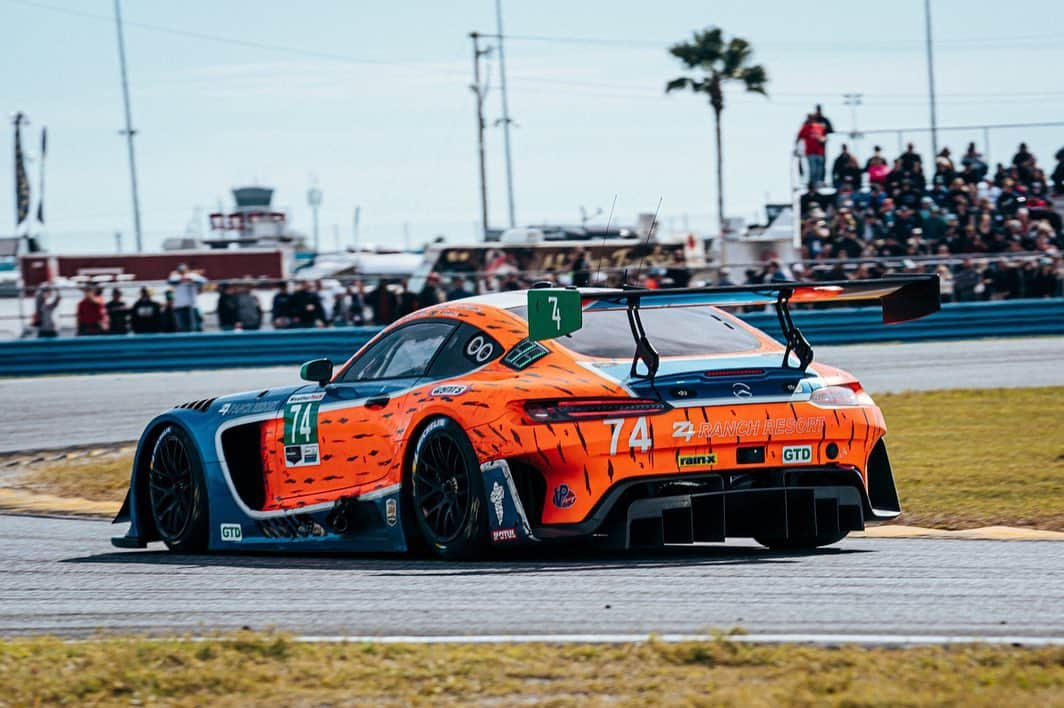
(446, 491)
(177, 492)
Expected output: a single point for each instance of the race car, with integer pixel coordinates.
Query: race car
(627, 417)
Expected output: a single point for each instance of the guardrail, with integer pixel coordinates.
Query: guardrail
(222, 350)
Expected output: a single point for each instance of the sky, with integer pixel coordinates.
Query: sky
(372, 102)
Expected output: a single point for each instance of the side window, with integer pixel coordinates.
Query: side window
(405, 353)
(468, 349)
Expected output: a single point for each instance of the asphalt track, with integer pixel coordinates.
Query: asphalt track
(61, 576)
(78, 410)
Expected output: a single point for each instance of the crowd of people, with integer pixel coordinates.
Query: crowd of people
(960, 211)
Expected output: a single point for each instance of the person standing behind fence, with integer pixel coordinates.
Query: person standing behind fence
(44, 315)
(168, 316)
(226, 308)
(145, 314)
(248, 309)
(117, 314)
(186, 284)
(813, 137)
(281, 310)
(92, 315)
(306, 306)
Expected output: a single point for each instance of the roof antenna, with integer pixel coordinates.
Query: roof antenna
(605, 234)
(646, 244)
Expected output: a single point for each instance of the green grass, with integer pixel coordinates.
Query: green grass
(249, 669)
(961, 459)
(978, 457)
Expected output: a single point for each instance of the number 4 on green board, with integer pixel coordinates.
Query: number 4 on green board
(552, 313)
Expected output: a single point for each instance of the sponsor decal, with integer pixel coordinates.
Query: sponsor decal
(741, 390)
(498, 494)
(301, 455)
(563, 496)
(391, 512)
(307, 397)
(503, 535)
(700, 459)
(798, 453)
(231, 532)
(524, 354)
(755, 427)
(683, 429)
(449, 390)
(246, 408)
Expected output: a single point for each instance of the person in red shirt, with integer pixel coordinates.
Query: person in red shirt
(813, 139)
(92, 313)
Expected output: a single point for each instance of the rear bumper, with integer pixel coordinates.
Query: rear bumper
(783, 503)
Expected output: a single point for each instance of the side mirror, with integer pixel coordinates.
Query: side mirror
(318, 370)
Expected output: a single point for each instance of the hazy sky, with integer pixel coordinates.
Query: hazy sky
(373, 100)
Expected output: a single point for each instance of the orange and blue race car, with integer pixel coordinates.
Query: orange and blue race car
(630, 417)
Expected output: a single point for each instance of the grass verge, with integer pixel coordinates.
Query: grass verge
(251, 669)
(962, 459)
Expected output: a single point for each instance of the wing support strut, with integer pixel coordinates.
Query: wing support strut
(644, 350)
(793, 337)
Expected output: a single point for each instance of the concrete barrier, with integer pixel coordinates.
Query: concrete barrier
(221, 350)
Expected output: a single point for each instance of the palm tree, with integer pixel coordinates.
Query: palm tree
(717, 62)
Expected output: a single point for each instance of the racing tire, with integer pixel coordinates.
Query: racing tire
(177, 493)
(446, 493)
(801, 543)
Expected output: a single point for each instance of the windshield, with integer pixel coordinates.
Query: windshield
(674, 331)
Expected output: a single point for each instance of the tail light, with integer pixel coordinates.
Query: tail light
(849, 394)
(592, 408)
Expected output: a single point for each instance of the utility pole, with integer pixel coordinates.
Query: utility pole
(355, 228)
(479, 91)
(128, 132)
(931, 80)
(505, 115)
(314, 201)
(853, 100)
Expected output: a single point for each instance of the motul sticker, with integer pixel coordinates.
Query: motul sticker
(798, 453)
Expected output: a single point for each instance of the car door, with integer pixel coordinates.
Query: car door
(342, 437)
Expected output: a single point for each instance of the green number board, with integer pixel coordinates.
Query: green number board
(552, 313)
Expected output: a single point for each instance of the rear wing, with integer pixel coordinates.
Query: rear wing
(554, 312)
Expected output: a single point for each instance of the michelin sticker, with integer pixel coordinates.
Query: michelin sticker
(301, 429)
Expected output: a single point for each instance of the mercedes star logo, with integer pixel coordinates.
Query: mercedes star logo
(741, 390)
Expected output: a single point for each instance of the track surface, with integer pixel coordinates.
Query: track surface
(62, 576)
(78, 410)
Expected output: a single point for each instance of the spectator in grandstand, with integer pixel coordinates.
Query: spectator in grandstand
(187, 285)
(45, 303)
(877, 167)
(813, 137)
(430, 292)
(91, 313)
(975, 168)
(281, 308)
(458, 289)
(819, 117)
(307, 310)
(117, 314)
(168, 315)
(1024, 162)
(845, 169)
(384, 303)
(145, 314)
(226, 309)
(248, 309)
(910, 159)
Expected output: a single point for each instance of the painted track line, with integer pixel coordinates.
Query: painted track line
(817, 639)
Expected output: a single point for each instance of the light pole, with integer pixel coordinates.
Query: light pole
(314, 200)
(505, 115)
(479, 91)
(853, 100)
(931, 79)
(128, 132)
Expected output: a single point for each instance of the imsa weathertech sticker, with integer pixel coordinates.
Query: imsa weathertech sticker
(700, 459)
(301, 429)
(524, 354)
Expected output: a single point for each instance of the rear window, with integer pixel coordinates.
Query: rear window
(674, 331)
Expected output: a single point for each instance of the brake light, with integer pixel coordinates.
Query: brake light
(733, 372)
(592, 408)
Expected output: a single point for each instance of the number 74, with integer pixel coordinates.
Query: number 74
(638, 438)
